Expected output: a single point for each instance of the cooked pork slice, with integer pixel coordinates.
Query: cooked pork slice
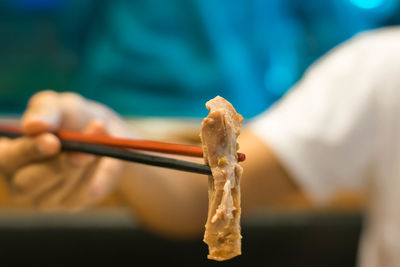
(218, 135)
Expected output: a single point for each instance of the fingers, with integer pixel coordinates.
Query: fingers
(80, 198)
(43, 113)
(45, 185)
(78, 169)
(61, 182)
(70, 180)
(95, 127)
(49, 111)
(29, 176)
(34, 180)
(107, 171)
(71, 185)
(21, 151)
(104, 178)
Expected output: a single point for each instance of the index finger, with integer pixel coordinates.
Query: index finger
(43, 113)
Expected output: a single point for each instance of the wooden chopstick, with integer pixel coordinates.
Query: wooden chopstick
(146, 145)
(123, 154)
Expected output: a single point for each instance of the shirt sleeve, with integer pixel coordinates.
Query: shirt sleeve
(323, 131)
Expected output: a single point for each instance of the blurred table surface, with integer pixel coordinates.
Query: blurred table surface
(112, 237)
(295, 235)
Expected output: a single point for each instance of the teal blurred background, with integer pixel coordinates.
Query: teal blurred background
(166, 58)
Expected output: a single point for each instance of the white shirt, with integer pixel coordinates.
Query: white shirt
(339, 128)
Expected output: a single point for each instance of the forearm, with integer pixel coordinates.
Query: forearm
(265, 182)
(175, 203)
(168, 202)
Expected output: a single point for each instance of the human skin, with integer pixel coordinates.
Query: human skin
(167, 202)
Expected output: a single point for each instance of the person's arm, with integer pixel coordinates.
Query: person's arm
(66, 180)
(175, 203)
(265, 181)
(170, 202)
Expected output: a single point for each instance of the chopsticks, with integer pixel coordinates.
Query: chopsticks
(117, 148)
(128, 155)
(145, 145)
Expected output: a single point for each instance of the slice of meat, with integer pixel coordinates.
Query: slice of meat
(218, 135)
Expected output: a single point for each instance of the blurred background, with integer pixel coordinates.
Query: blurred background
(165, 59)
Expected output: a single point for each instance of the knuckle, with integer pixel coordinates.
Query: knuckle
(17, 182)
(20, 179)
(41, 95)
(71, 97)
(72, 104)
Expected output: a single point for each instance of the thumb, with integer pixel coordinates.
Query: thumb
(42, 114)
(19, 152)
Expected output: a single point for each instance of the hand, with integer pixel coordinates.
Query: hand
(67, 180)
(20, 152)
